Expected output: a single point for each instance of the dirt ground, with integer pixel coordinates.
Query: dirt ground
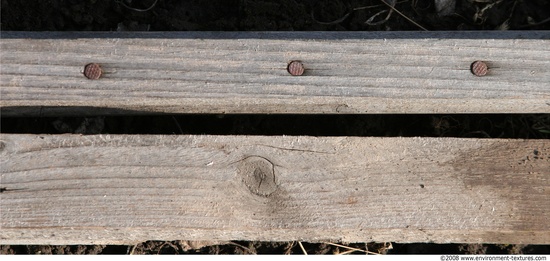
(524, 126)
(279, 15)
(286, 248)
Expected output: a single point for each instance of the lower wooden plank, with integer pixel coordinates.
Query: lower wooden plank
(120, 189)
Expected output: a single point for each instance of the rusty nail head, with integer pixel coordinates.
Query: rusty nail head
(295, 68)
(92, 71)
(479, 68)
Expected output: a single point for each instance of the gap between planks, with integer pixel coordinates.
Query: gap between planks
(206, 72)
(123, 189)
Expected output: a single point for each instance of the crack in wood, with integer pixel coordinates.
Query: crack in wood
(300, 150)
(4, 189)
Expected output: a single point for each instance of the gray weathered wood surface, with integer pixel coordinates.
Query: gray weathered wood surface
(360, 72)
(71, 189)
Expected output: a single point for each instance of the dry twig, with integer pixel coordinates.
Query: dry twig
(351, 248)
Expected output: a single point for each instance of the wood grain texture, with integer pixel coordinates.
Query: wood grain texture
(362, 72)
(119, 189)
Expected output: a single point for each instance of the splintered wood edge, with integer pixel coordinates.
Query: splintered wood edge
(205, 72)
(121, 189)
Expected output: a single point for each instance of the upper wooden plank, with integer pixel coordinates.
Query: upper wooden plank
(206, 72)
(120, 189)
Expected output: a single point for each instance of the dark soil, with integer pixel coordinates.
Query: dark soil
(288, 248)
(278, 15)
(525, 126)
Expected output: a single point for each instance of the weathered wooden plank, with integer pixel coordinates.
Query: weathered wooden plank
(107, 189)
(358, 72)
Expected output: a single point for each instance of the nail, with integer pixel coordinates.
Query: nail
(92, 71)
(295, 68)
(479, 68)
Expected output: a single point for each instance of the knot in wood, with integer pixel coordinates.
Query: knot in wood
(258, 175)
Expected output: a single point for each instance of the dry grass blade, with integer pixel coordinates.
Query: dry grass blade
(387, 246)
(404, 16)
(351, 248)
(347, 252)
(244, 248)
(167, 244)
(390, 12)
(371, 19)
(302, 247)
(121, 2)
(289, 247)
(532, 23)
(373, 6)
(177, 124)
(132, 251)
(337, 21)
